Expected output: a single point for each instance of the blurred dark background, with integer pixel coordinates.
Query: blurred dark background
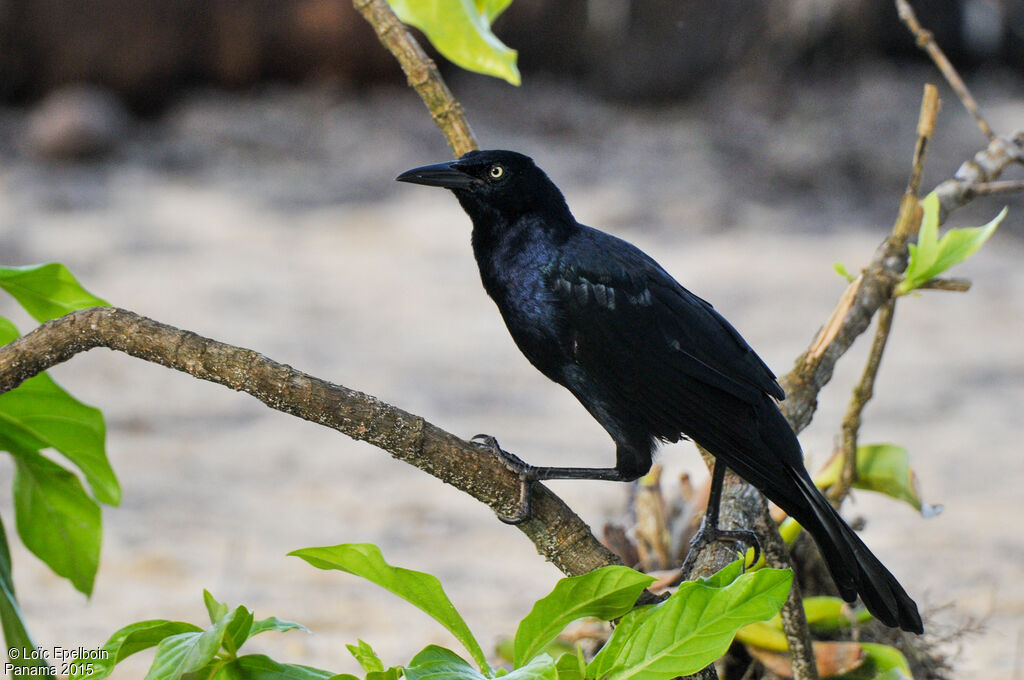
(147, 51)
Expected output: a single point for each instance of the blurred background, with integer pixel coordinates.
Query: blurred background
(226, 166)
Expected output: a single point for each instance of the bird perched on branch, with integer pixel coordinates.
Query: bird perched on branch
(647, 358)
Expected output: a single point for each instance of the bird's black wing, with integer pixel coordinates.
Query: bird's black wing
(611, 289)
(657, 360)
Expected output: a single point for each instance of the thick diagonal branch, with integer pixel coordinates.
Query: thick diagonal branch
(559, 534)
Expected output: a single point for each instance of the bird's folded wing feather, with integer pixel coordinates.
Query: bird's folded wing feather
(641, 317)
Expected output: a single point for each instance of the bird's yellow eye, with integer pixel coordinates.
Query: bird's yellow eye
(496, 172)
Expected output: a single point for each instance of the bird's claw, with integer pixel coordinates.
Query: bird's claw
(708, 534)
(526, 473)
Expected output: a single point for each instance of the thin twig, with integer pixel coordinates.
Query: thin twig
(862, 394)
(926, 41)
(907, 224)
(1010, 186)
(422, 74)
(955, 285)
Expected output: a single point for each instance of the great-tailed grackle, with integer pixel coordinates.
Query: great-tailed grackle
(647, 358)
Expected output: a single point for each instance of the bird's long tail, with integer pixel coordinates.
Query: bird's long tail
(854, 568)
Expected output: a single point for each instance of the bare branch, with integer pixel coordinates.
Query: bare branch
(422, 74)
(926, 42)
(862, 394)
(813, 370)
(559, 534)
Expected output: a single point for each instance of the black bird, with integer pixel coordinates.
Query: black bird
(647, 358)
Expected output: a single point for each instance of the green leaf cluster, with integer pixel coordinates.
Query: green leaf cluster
(184, 650)
(931, 256)
(679, 636)
(461, 31)
(56, 518)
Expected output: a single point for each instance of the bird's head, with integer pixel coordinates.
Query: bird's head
(493, 182)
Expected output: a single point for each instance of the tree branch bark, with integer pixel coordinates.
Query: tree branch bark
(559, 534)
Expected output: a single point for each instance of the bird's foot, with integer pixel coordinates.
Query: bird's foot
(527, 475)
(710, 533)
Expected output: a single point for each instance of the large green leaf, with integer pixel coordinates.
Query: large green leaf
(420, 589)
(47, 291)
(692, 628)
(39, 409)
(16, 635)
(461, 31)
(261, 667)
(188, 652)
(606, 593)
(40, 414)
(131, 639)
(931, 256)
(438, 663)
(56, 519)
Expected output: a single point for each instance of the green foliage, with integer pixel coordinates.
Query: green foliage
(692, 628)
(931, 256)
(605, 593)
(15, 633)
(884, 468)
(421, 590)
(186, 650)
(841, 269)
(461, 31)
(56, 518)
(881, 662)
(679, 636)
(47, 291)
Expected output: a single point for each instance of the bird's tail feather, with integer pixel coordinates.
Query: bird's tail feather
(854, 568)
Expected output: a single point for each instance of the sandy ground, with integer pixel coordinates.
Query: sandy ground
(271, 221)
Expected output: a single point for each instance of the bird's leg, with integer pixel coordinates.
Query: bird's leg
(709, 531)
(528, 474)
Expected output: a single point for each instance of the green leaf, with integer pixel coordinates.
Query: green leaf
(419, 589)
(571, 665)
(885, 658)
(461, 31)
(47, 291)
(40, 414)
(275, 624)
(607, 593)
(56, 519)
(16, 635)
(540, 667)
(187, 652)
(841, 269)
(725, 575)
(623, 635)
(931, 256)
(238, 630)
(393, 673)
(131, 639)
(214, 607)
(438, 663)
(692, 628)
(367, 658)
(884, 468)
(262, 667)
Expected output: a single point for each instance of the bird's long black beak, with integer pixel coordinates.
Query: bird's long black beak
(439, 175)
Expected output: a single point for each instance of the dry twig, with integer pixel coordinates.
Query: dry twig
(926, 41)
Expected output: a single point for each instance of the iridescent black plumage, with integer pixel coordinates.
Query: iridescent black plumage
(647, 358)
